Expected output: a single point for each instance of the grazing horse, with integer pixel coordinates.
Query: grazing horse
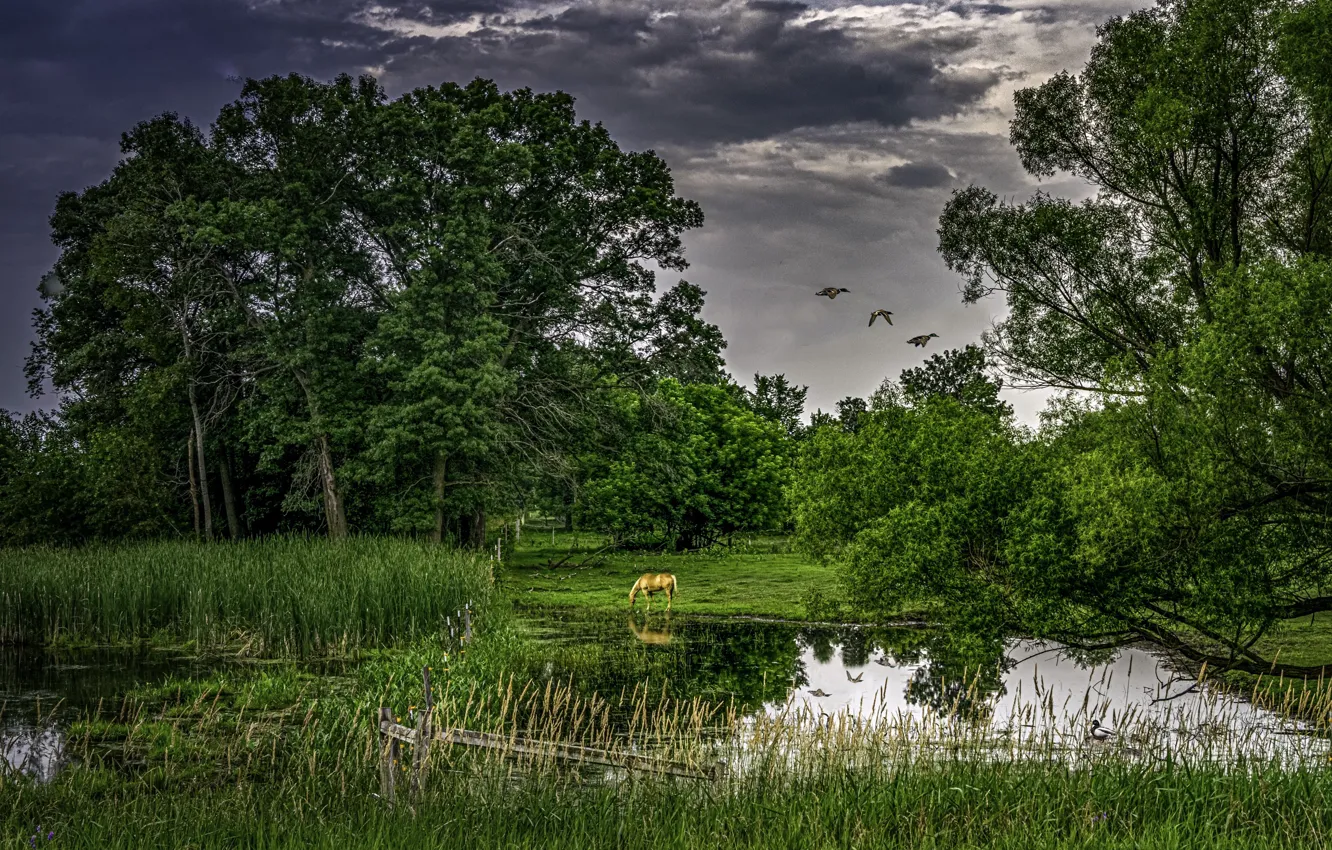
(652, 583)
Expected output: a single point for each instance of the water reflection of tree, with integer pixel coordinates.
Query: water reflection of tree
(756, 663)
(750, 663)
(957, 681)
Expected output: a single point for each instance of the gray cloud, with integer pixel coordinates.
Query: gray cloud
(706, 72)
(916, 175)
(806, 131)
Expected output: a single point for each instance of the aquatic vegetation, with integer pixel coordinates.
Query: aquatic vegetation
(272, 597)
(308, 776)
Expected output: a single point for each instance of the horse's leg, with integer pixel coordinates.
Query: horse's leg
(649, 596)
(670, 596)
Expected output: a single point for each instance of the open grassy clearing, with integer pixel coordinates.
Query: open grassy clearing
(757, 576)
(275, 756)
(1307, 641)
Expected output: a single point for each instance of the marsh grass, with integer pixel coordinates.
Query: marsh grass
(201, 775)
(272, 597)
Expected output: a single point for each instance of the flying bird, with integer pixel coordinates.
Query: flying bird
(851, 678)
(884, 661)
(818, 692)
(831, 291)
(919, 341)
(887, 316)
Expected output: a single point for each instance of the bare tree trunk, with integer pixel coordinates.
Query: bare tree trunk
(334, 512)
(194, 483)
(229, 497)
(473, 529)
(441, 469)
(203, 468)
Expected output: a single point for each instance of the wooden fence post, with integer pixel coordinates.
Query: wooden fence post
(388, 756)
(422, 746)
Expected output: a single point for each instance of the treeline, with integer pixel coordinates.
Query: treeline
(334, 312)
(337, 312)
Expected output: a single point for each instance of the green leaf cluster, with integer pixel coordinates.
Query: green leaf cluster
(694, 466)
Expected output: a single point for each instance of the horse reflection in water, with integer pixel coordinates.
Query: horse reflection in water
(34, 751)
(647, 634)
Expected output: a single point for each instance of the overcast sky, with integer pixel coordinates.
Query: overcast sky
(821, 138)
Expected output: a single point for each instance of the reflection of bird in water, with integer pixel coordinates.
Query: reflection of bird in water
(818, 692)
(884, 661)
(851, 678)
(1099, 732)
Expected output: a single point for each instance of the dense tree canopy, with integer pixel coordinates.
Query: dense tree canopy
(342, 311)
(1183, 499)
(695, 466)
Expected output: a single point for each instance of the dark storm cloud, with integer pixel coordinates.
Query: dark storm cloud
(707, 73)
(916, 175)
(964, 9)
(781, 118)
(76, 75)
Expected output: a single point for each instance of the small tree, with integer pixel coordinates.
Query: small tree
(694, 467)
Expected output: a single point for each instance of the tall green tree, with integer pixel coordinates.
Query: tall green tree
(778, 400)
(1181, 498)
(693, 468)
(959, 375)
(379, 314)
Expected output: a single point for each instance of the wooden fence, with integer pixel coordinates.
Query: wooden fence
(421, 736)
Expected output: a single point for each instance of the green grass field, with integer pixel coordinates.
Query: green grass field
(759, 576)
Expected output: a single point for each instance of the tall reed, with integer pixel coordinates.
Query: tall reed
(189, 773)
(275, 596)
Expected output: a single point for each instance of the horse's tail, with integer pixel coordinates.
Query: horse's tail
(675, 587)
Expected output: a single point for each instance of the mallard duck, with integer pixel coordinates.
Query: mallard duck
(831, 291)
(920, 341)
(887, 316)
(1099, 732)
(818, 692)
(884, 661)
(851, 678)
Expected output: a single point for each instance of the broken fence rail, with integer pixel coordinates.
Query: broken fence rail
(552, 749)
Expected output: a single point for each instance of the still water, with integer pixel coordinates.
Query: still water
(809, 673)
(1017, 690)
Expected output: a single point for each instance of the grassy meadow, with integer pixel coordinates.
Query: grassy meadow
(194, 768)
(758, 576)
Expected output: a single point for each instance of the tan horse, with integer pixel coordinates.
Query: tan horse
(653, 583)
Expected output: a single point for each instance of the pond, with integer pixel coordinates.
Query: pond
(1020, 689)
(801, 673)
(40, 692)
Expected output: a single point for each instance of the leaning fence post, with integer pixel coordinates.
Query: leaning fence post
(422, 747)
(388, 755)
